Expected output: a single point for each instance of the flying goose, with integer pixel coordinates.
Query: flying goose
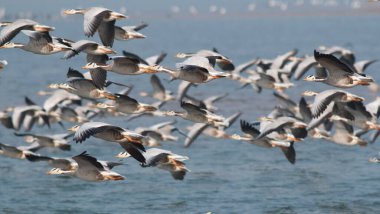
(84, 88)
(57, 140)
(343, 135)
(129, 140)
(195, 69)
(338, 74)
(41, 43)
(158, 133)
(127, 105)
(129, 32)
(165, 160)
(88, 47)
(123, 65)
(213, 58)
(22, 152)
(88, 169)
(99, 19)
(284, 123)
(323, 99)
(265, 142)
(11, 29)
(199, 115)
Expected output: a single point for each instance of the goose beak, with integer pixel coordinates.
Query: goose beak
(123, 155)
(120, 16)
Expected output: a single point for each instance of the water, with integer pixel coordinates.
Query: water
(226, 176)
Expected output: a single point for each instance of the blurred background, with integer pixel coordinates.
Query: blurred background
(227, 176)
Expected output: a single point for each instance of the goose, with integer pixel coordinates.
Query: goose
(343, 135)
(104, 131)
(356, 114)
(213, 58)
(129, 32)
(57, 140)
(127, 105)
(88, 47)
(165, 160)
(158, 133)
(84, 88)
(265, 142)
(98, 19)
(41, 43)
(11, 29)
(123, 65)
(323, 99)
(21, 152)
(69, 164)
(129, 140)
(339, 74)
(199, 115)
(195, 69)
(284, 123)
(88, 169)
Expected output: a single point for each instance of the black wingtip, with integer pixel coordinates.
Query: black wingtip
(83, 153)
(290, 153)
(316, 54)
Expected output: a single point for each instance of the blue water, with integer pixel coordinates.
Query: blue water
(226, 176)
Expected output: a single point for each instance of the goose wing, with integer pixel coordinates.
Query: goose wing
(275, 125)
(195, 131)
(106, 32)
(333, 64)
(249, 128)
(78, 47)
(93, 17)
(86, 161)
(11, 30)
(323, 99)
(86, 130)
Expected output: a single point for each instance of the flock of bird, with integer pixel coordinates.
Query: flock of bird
(335, 115)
